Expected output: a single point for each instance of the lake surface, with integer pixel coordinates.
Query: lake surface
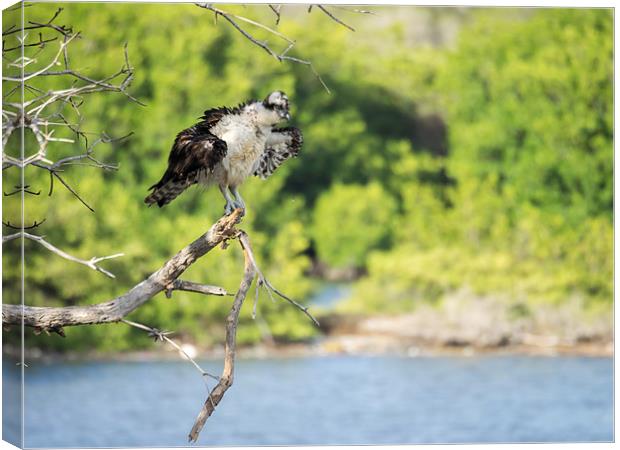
(330, 294)
(321, 400)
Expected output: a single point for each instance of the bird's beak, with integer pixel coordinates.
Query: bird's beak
(286, 116)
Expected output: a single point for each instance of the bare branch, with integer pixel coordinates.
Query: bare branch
(12, 29)
(33, 113)
(159, 335)
(280, 56)
(334, 18)
(28, 76)
(52, 319)
(34, 225)
(20, 189)
(262, 281)
(40, 43)
(276, 11)
(353, 10)
(70, 189)
(308, 63)
(91, 263)
(189, 286)
(230, 348)
(229, 18)
(88, 154)
(117, 308)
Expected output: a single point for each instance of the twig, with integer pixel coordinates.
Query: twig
(262, 281)
(70, 189)
(20, 189)
(276, 11)
(281, 56)
(91, 263)
(336, 19)
(40, 43)
(159, 335)
(189, 286)
(34, 225)
(230, 19)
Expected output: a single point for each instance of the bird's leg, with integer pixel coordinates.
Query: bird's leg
(230, 204)
(239, 203)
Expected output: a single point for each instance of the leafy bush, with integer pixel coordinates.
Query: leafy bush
(351, 220)
(520, 202)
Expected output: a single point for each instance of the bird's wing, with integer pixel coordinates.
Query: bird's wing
(195, 151)
(282, 144)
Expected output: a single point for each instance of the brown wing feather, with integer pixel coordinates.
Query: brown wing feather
(195, 151)
(284, 143)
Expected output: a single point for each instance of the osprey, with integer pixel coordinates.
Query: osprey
(226, 147)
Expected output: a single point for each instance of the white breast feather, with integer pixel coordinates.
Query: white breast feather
(245, 140)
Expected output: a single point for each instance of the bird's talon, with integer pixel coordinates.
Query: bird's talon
(240, 206)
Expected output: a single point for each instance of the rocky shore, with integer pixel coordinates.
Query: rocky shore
(463, 325)
(354, 343)
(469, 324)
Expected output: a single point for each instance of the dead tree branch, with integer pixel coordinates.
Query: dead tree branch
(159, 335)
(166, 279)
(29, 227)
(91, 263)
(334, 18)
(34, 113)
(43, 317)
(276, 10)
(226, 379)
(279, 55)
(41, 112)
(189, 286)
(262, 281)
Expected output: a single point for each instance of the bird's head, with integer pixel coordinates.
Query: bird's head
(277, 102)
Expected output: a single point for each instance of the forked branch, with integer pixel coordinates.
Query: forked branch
(44, 113)
(91, 263)
(52, 318)
(233, 19)
(166, 279)
(226, 379)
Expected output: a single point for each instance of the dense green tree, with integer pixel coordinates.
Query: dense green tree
(485, 163)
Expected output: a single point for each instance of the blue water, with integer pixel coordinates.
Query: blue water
(330, 294)
(322, 400)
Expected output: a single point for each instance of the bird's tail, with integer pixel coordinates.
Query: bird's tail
(164, 193)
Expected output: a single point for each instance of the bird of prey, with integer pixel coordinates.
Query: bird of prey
(227, 146)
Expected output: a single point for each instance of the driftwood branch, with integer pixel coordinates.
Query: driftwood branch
(250, 272)
(53, 318)
(226, 379)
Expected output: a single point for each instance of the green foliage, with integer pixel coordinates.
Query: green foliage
(529, 217)
(351, 220)
(516, 200)
(530, 102)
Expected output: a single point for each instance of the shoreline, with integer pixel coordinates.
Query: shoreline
(333, 346)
